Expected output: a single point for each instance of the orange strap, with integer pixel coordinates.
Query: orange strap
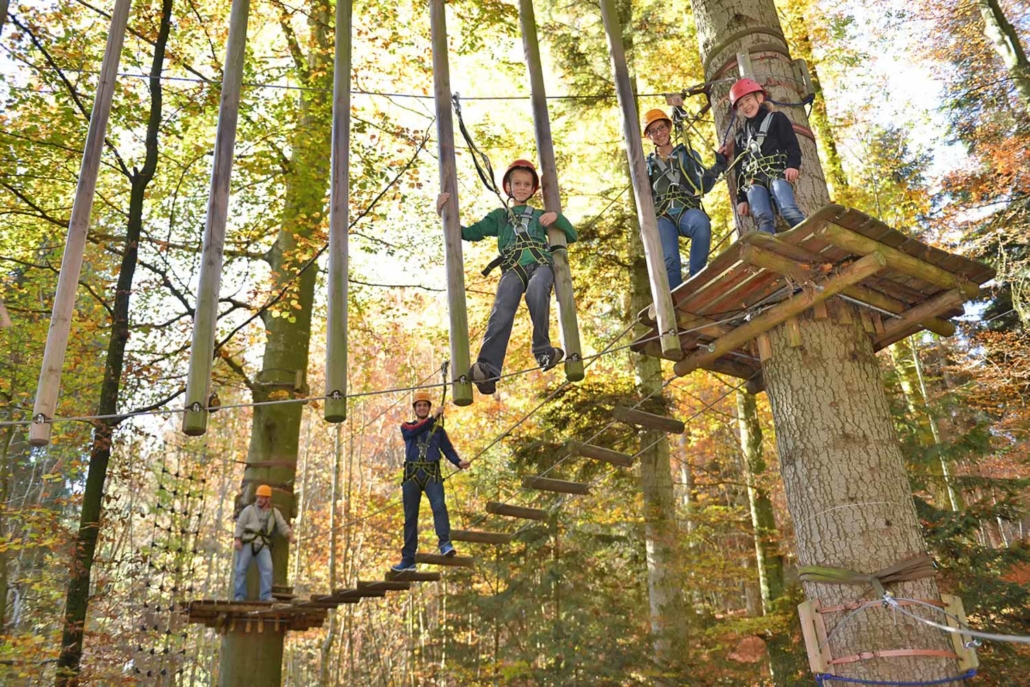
(894, 653)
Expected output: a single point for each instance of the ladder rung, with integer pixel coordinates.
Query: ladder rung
(578, 448)
(480, 537)
(649, 420)
(413, 576)
(446, 561)
(557, 485)
(515, 511)
(384, 585)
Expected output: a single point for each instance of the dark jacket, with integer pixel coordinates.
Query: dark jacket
(779, 139)
(421, 432)
(682, 174)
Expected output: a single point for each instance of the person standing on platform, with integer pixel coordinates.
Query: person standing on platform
(425, 440)
(255, 528)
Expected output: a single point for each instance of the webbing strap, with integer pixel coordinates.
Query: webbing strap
(480, 159)
(893, 653)
(422, 472)
(912, 568)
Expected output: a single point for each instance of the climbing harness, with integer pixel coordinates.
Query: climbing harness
(759, 169)
(423, 472)
(511, 257)
(669, 176)
(259, 539)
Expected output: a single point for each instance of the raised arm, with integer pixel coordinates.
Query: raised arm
(411, 430)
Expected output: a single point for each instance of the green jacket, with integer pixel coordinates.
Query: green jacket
(497, 224)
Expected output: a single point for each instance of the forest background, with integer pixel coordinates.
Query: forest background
(923, 120)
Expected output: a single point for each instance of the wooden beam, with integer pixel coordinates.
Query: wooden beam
(646, 218)
(414, 576)
(48, 388)
(559, 486)
(651, 421)
(853, 273)
(552, 198)
(479, 537)
(445, 561)
(753, 378)
(578, 448)
(768, 260)
(897, 260)
(205, 318)
(384, 585)
(515, 511)
(453, 261)
(915, 316)
(358, 593)
(895, 306)
(339, 218)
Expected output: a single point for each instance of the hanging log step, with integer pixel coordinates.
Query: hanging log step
(327, 601)
(383, 585)
(446, 561)
(578, 448)
(649, 420)
(515, 511)
(357, 593)
(413, 576)
(559, 486)
(480, 537)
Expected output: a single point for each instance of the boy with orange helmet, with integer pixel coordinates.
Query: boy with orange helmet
(678, 180)
(255, 527)
(771, 159)
(425, 440)
(526, 268)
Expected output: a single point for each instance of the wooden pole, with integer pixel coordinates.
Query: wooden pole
(5, 319)
(339, 218)
(453, 260)
(641, 188)
(205, 319)
(552, 197)
(3, 15)
(78, 227)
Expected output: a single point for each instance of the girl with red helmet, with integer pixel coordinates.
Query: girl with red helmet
(771, 159)
(526, 268)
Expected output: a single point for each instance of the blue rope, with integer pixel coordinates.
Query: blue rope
(822, 678)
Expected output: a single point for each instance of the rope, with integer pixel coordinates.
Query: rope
(825, 677)
(482, 162)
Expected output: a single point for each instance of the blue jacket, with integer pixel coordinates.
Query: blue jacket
(421, 431)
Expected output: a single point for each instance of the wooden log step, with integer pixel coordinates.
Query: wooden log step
(446, 561)
(649, 420)
(559, 486)
(515, 511)
(357, 593)
(384, 585)
(479, 537)
(414, 576)
(616, 458)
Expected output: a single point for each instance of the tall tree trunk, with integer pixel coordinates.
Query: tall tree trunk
(1006, 43)
(81, 569)
(845, 482)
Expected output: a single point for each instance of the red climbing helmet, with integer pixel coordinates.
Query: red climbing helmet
(742, 87)
(520, 164)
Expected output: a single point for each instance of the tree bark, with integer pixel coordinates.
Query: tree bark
(845, 482)
(1006, 43)
(81, 568)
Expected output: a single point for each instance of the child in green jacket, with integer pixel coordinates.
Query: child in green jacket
(526, 268)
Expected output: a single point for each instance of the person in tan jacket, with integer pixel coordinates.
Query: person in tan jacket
(253, 542)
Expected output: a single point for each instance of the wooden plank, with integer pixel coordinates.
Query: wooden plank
(559, 486)
(764, 347)
(752, 376)
(646, 218)
(801, 272)
(793, 332)
(650, 420)
(479, 537)
(383, 585)
(877, 323)
(778, 314)
(414, 576)
(445, 561)
(866, 320)
(902, 262)
(884, 302)
(955, 617)
(915, 316)
(578, 448)
(358, 593)
(454, 263)
(49, 385)
(515, 511)
(819, 311)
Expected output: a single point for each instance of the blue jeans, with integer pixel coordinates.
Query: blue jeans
(506, 303)
(782, 197)
(695, 225)
(263, 558)
(412, 496)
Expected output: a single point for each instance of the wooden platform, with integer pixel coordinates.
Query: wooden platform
(898, 285)
(255, 616)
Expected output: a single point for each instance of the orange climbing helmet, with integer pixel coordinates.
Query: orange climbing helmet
(421, 395)
(520, 164)
(743, 87)
(263, 490)
(655, 115)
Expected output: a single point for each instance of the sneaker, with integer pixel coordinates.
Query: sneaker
(404, 567)
(548, 360)
(484, 381)
(447, 549)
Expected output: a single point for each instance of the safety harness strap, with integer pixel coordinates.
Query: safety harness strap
(423, 472)
(511, 257)
(259, 539)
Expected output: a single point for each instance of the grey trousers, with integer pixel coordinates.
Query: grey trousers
(509, 293)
